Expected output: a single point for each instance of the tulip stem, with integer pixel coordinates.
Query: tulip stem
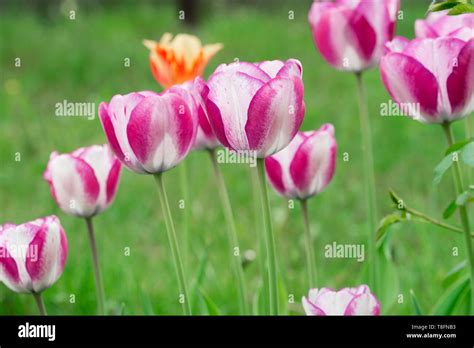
(458, 183)
(184, 191)
(40, 303)
(369, 181)
(99, 286)
(468, 129)
(236, 259)
(178, 263)
(311, 267)
(269, 240)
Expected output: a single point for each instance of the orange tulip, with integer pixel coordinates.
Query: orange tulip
(180, 59)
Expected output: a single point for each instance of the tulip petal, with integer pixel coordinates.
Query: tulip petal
(275, 174)
(119, 111)
(363, 304)
(75, 185)
(408, 81)
(231, 94)
(460, 83)
(112, 181)
(161, 131)
(310, 308)
(313, 165)
(9, 273)
(364, 34)
(274, 115)
(271, 67)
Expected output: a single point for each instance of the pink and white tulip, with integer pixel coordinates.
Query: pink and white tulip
(435, 76)
(32, 255)
(306, 166)
(83, 182)
(148, 132)
(347, 301)
(205, 138)
(350, 34)
(439, 24)
(256, 107)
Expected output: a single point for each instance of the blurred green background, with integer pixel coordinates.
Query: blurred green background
(82, 60)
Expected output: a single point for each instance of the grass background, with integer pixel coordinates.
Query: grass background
(82, 60)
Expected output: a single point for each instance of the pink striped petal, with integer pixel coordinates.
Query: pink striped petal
(278, 168)
(119, 111)
(310, 308)
(244, 67)
(460, 83)
(408, 81)
(363, 304)
(271, 67)
(228, 102)
(275, 174)
(274, 115)
(8, 269)
(73, 184)
(313, 165)
(161, 131)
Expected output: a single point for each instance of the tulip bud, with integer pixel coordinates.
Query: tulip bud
(350, 34)
(306, 166)
(32, 255)
(84, 182)
(257, 107)
(179, 59)
(348, 301)
(148, 132)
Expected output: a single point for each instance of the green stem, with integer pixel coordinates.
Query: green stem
(369, 177)
(458, 183)
(99, 287)
(236, 260)
(310, 260)
(468, 129)
(434, 221)
(269, 240)
(178, 263)
(185, 191)
(40, 303)
(262, 255)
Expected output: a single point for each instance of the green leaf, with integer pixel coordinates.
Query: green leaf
(388, 277)
(146, 304)
(197, 282)
(440, 6)
(416, 305)
(467, 154)
(447, 302)
(394, 197)
(283, 297)
(450, 209)
(441, 168)
(457, 146)
(257, 305)
(212, 308)
(454, 273)
(122, 308)
(463, 197)
(387, 222)
(461, 9)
